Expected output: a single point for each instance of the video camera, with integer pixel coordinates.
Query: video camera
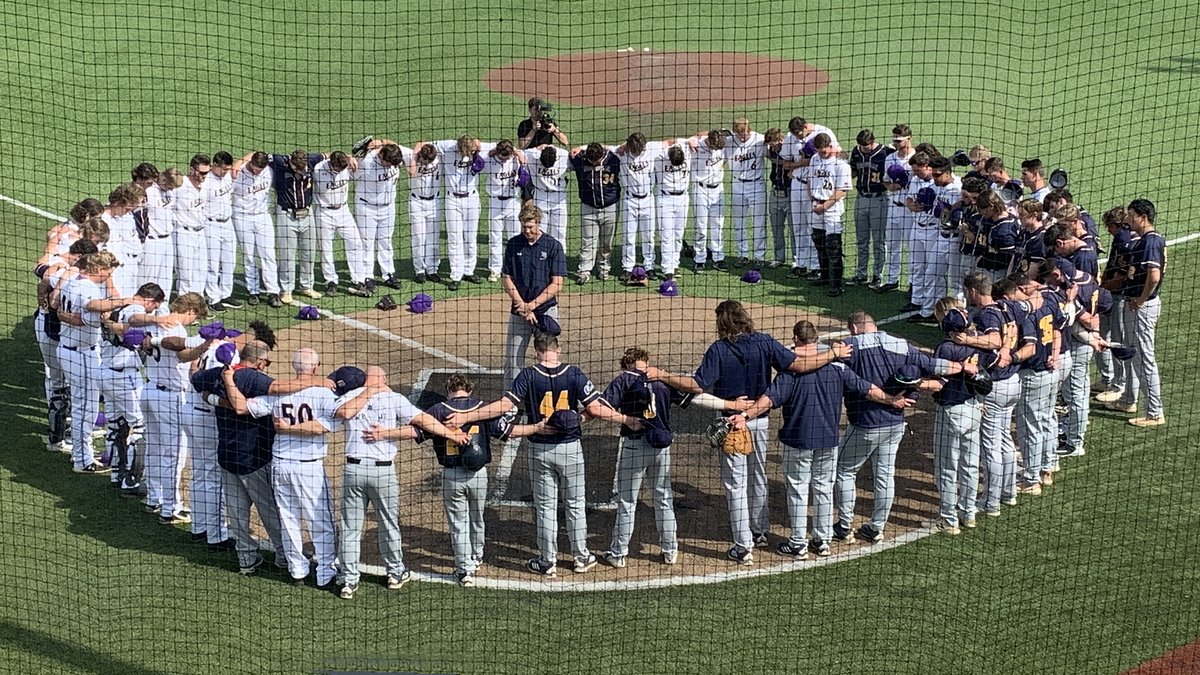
(546, 111)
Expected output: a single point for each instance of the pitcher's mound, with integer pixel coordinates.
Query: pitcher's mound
(656, 82)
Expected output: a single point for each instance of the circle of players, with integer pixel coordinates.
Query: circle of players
(1011, 278)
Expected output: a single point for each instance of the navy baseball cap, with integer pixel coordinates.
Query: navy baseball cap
(1104, 301)
(346, 379)
(1066, 269)
(955, 321)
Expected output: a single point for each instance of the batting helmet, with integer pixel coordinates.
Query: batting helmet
(981, 384)
(960, 158)
(1059, 179)
(565, 421)
(471, 456)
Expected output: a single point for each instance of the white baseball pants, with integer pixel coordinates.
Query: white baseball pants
(502, 226)
(423, 217)
(158, 262)
(925, 266)
(749, 205)
(199, 427)
(899, 230)
(376, 225)
(82, 367)
(340, 222)
(128, 276)
(804, 251)
(191, 260)
(222, 252)
(302, 493)
(166, 446)
(637, 218)
(708, 209)
(554, 218)
(672, 218)
(256, 234)
(462, 234)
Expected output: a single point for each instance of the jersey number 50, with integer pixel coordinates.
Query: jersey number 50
(302, 414)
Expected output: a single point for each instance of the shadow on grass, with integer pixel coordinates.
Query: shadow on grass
(93, 507)
(69, 655)
(1184, 65)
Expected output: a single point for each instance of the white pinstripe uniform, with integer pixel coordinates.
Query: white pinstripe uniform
(375, 210)
(163, 403)
(673, 205)
(462, 210)
(550, 191)
(158, 254)
(198, 423)
(121, 385)
(79, 355)
(899, 219)
(298, 476)
(804, 251)
(638, 176)
(123, 242)
(708, 202)
(56, 378)
(504, 203)
(424, 214)
(749, 200)
(255, 230)
(191, 249)
(222, 243)
(331, 191)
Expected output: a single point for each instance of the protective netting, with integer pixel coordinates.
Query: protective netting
(727, 197)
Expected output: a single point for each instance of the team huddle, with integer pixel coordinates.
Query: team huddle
(1012, 279)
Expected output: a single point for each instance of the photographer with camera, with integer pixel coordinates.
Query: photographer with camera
(539, 128)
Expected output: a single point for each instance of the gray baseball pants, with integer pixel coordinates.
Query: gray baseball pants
(859, 445)
(377, 485)
(464, 494)
(554, 468)
(870, 232)
(597, 229)
(1035, 422)
(804, 470)
(637, 460)
(242, 492)
(1142, 377)
(516, 345)
(956, 459)
(996, 443)
(745, 480)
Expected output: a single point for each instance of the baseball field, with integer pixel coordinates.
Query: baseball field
(1098, 575)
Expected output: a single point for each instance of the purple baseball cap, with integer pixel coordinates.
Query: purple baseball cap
(668, 288)
(420, 303)
(308, 313)
(225, 352)
(752, 277)
(133, 338)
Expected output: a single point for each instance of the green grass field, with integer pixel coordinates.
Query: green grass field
(1097, 576)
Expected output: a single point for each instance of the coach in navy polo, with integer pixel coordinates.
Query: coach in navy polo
(534, 268)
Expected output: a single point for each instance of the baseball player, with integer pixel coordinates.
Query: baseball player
(995, 329)
(222, 242)
(748, 201)
(462, 164)
(897, 173)
(424, 183)
(125, 241)
(505, 174)
(674, 172)
(1031, 237)
(375, 206)
(1112, 374)
(375, 418)
(158, 253)
(708, 198)
(639, 168)
(599, 174)
(796, 152)
(81, 303)
(812, 411)
(331, 192)
(1033, 177)
(60, 237)
(297, 467)
(956, 424)
(875, 430)
(645, 453)
(47, 329)
(779, 200)
(252, 181)
(988, 230)
(548, 175)
(953, 264)
(121, 386)
(464, 488)
(1064, 240)
(191, 248)
(166, 407)
(738, 366)
(868, 160)
(294, 228)
(1140, 313)
(828, 185)
(555, 452)
(1040, 327)
(924, 267)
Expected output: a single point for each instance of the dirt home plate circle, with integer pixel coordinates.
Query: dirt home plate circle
(419, 352)
(642, 80)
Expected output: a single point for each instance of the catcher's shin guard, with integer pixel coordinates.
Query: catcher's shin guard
(58, 412)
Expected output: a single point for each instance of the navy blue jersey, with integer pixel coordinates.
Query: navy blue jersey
(742, 366)
(243, 442)
(1038, 329)
(998, 318)
(1090, 234)
(812, 404)
(974, 241)
(1084, 259)
(632, 394)
(876, 358)
(293, 189)
(954, 390)
(541, 390)
(530, 266)
(481, 432)
(1118, 258)
(1001, 238)
(868, 170)
(599, 186)
(1031, 246)
(1148, 252)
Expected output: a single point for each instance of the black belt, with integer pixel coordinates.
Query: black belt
(819, 201)
(710, 187)
(161, 236)
(462, 195)
(333, 208)
(117, 370)
(747, 180)
(75, 349)
(203, 410)
(871, 196)
(674, 194)
(504, 199)
(355, 460)
(218, 220)
(192, 229)
(427, 199)
(896, 203)
(165, 388)
(636, 195)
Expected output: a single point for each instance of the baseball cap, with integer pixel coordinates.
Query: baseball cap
(346, 379)
(955, 321)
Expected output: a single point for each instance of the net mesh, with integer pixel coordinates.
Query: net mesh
(1092, 575)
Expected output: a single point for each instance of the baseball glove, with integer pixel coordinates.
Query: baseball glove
(359, 149)
(723, 436)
